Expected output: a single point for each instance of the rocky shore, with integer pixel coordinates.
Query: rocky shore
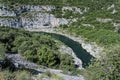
(92, 47)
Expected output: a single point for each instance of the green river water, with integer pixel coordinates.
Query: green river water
(75, 46)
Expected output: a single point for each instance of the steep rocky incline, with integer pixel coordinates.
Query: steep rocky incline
(31, 16)
(17, 62)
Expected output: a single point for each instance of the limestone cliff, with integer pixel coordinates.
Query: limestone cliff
(29, 17)
(34, 16)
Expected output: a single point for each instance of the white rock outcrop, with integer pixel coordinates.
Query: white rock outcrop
(104, 20)
(40, 20)
(112, 7)
(11, 22)
(30, 16)
(75, 9)
(4, 11)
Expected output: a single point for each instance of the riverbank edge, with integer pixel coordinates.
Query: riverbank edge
(90, 47)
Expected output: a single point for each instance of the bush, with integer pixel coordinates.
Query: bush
(23, 75)
(6, 75)
(35, 47)
(107, 68)
(2, 51)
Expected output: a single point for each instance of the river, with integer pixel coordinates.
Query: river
(75, 46)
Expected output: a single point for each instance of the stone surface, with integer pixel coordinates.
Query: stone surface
(4, 11)
(104, 20)
(11, 22)
(29, 16)
(67, 50)
(18, 62)
(112, 7)
(75, 9)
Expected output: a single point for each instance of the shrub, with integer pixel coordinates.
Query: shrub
(7, 75)
(107, 68)
(23, 75)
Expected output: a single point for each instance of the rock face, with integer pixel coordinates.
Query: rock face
(112, 8)
(29, 16)
(75, 9)
(106, 20)
(12, 22)
(17, 62)
(6, 12)
(42, 20)
(19, 9)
